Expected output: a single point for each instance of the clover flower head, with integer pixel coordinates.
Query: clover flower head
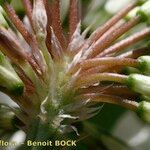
(59, 79)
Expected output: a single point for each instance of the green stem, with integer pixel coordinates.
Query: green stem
(41, 132)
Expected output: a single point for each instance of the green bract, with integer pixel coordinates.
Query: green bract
(132, 13)
(3, 1)
(140, 2)
(139, 83)
(144, 111)
(144, 12)
(145, 98)
(144, 64)
(8, 77)
(130, 70)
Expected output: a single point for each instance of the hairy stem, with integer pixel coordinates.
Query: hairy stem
(30, 39)
(136, 53)
(102, 64)
(56, 23)
(106, 40)
(105, 98)
(28, 8)
(126, 42)
(73, 17)
(108, 61)
(109, 89)
(102, 29)
(49, 23)
(97, 77)
(132, 105)
(131, 54)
